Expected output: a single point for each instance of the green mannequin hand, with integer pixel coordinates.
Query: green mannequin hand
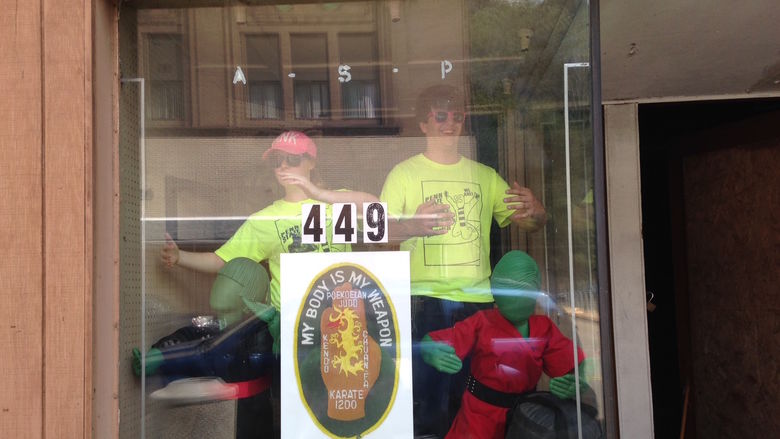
(154, 359)
(564, 387)
(273, 328)
(439, 355)
(266, 313)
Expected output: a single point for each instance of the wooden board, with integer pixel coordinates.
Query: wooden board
(67, 158)
(21, 275)
(632, 361)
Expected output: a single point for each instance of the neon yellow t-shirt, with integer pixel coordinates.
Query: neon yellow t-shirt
(456, 265)
(271, 232)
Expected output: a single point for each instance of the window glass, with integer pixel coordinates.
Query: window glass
(247, 134)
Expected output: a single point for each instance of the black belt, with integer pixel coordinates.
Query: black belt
(488, 395)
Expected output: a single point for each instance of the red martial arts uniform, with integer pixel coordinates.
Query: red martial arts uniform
(505, 361)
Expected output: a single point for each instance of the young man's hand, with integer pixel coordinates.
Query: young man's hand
(529, 212)
(207, 262)
(430, 219)
(169, 252)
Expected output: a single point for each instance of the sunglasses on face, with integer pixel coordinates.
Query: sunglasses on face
(291, 160)
(442, 116)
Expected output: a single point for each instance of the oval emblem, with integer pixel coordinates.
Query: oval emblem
(346, 351)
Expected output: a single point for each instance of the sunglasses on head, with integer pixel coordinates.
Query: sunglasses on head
(292, 160)
(442, 116)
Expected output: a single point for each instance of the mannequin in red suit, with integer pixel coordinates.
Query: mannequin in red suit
(509, 348)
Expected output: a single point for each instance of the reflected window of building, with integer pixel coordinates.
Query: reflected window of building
(166, 77)
(359, 95)
(310, 83)
(263, 77)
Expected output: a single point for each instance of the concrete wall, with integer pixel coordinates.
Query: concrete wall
(689, 49)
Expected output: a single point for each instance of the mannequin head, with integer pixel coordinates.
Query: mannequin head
(292, 152)
(241, 285)
(515, 284)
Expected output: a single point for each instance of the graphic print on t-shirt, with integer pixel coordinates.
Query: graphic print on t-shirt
(461, 245)
(289, 234)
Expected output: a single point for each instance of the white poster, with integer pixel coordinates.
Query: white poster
(346, 345)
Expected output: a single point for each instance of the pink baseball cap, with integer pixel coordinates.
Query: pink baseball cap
(293, 142)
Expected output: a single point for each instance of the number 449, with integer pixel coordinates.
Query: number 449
(344, 224)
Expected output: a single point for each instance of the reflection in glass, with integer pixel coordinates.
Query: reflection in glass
(165, 77)
(309, 66)
(312, 99)
(361, 100)
(349, 76)
(360, 95)
(265, 100)
(263, 76)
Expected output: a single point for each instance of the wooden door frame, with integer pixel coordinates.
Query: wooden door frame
(629, 311)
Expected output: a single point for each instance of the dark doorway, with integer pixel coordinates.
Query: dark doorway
(710, 212)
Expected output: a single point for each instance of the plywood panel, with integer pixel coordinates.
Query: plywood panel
(731, 199)
(67, 227)
(20, 221)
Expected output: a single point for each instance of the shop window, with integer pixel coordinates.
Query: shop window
(268, 118)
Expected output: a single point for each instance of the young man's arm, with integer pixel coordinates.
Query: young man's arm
(347, 196)
(207, 262)
(326, 195)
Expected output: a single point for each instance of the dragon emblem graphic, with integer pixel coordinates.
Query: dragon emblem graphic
(349, 359)
(347, 351)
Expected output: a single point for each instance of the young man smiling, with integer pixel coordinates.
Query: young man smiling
(441, 206)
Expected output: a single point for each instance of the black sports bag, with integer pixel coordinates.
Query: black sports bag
(542, 415)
